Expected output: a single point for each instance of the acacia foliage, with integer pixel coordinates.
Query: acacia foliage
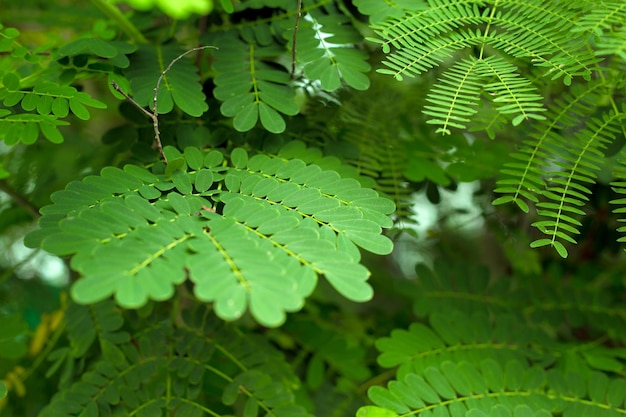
(221, 268)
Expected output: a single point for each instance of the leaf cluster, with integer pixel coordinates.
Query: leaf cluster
(194, 367)
(229, 254)
(216, 218)
(480, 353)
(496, 58)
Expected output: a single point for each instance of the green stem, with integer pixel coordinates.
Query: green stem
(122, 22)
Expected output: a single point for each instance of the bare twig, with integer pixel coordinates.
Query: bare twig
(293, 39)
(154, 114)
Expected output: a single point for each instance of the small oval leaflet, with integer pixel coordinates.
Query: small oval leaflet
(203, 180)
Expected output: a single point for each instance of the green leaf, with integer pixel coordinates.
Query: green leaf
(251, 409)
(347, 279)
(603, 362)
(270, 119)
(203, 180)
(326, 49)
(239, 157)
(180, 84)
(246, 118)
(11, 81)
(182, 182)
(178, 202)
(249, 88)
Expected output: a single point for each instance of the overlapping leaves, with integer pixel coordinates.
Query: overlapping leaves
(326, 50)
(454, 100)
(41, 108)
(251, 232)
(180, 85)
(431, 35)
(489, 388)
(575, 162)
(192, 368)
(250, 88)
(456, 337)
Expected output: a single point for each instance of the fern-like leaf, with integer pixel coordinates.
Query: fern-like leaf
(425, 38)
(383, 153)
(457, 286)
(42, 107)
(511, 94)
(135, 234)
(180, 84)
(167, 366)
(566, 190)
(27, 127)
(326, 49)
(454, 99)
(488, 388)
(457, 336)
(619, 186)
(603, 17)
(250, 88)
(523, 178)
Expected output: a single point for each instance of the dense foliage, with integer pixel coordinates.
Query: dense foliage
(234, 197)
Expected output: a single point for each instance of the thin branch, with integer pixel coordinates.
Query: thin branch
(154, 115)
(129, 98)
(293, 40)
(20, 200)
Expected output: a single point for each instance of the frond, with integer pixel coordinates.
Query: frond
(565, 188)
(455, 97)
(417, 59)
(530, 32)
(250, 88)
(603, 17)
(543, 34)
(489, 389)
(613, 44)
(524, 178)
(95, 54)
(41, 108)
(326, 49)
(47, 98)
(193, 368)
(457, 336)
(180, 85)
(511, 94)
(488, 346)
(137, 234)
(422, 25)
(27, 127)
